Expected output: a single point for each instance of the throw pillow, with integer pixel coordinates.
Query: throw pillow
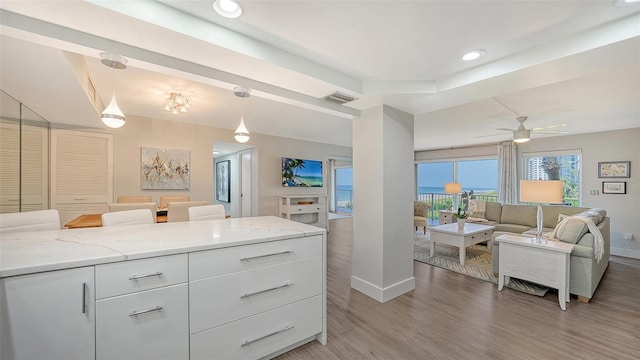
(476, 208)
(570, 231)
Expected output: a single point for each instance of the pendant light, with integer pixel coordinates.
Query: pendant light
(112, 116)
(241, 134)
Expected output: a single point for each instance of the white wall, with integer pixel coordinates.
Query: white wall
(141, 131)
(619, 145)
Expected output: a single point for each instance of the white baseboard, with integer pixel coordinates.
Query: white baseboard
(630, 253)
(383, 294)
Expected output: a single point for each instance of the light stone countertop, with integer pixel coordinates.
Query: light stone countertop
(38, 251)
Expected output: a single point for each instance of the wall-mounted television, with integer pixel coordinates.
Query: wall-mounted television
(301, 173)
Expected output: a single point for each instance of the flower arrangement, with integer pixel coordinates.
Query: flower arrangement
(461, 214)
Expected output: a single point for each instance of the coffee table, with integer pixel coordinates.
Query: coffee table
(471, 234)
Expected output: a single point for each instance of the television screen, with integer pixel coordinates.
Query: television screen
(301, 173)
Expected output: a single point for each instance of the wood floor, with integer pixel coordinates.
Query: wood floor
(452, 316)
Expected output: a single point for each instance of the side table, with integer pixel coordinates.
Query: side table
(544, 263)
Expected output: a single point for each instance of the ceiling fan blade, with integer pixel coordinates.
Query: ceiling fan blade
(550, 127)
(481, 136)
(504, 129)
(548, 132)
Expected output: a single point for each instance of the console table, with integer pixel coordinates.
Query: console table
(545, 263)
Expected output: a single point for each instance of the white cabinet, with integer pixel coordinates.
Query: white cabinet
(308, 209)
(264, 298)
(48, 315)
(142, 311)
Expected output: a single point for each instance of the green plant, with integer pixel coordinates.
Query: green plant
(462, 214)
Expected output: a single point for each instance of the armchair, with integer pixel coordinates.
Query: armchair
(421, 214)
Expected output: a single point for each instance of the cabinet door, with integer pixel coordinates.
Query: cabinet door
(152, 324)
(48, 315)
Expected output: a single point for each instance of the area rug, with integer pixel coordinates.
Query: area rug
(478, 263)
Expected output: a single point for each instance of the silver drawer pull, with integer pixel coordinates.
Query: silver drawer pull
(286, 284)
(136, 313)
(267, 255)
(285, 328)
(136, 277)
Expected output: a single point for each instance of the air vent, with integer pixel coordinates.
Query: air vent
(339, 98)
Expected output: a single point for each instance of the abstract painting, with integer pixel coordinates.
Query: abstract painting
(164, 169)
(223, 181)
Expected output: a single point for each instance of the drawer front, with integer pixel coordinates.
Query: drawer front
(445, 218)
(152, 334)
(210, 263)
(222, 299)
(130, 276)
(260, 335)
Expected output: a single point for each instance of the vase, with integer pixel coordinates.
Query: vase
(461, 223)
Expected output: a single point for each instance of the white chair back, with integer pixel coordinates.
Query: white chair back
(30, 221)
(206, 212)
(134, 199)
(165, 200)
(179, 211)
(134, 206)
(127, 217)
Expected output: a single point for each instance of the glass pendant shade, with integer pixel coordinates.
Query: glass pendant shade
(242, 134)
(112, 116)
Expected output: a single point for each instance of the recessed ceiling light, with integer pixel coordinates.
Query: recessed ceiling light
(228, 8)
(473, 54)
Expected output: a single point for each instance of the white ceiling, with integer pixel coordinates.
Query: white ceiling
(557, 62)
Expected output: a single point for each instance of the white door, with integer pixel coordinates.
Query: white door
(81, 173)
(245, 184)
(48, 315)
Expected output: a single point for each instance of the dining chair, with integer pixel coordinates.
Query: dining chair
(179, 210)
(165, 200)
(206, 212)
(30, 221)
(134, 206)
(128, 217)
(134, 199)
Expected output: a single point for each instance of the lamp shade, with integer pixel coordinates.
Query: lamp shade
(242, 134)
(452, 188)
(541, 191)
(112, 116)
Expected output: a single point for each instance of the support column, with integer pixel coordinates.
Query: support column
(383, 194)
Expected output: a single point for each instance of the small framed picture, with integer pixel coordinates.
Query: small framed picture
(614, 187)
(614, 169)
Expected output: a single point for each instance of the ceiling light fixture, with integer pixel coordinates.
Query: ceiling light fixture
(112, 116)
(228, 8)
(521, 136)
(241, 134)
(177, 103)
(473, 54)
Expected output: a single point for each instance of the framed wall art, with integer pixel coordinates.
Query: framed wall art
(223, 181)
(614, 187)
(164, 169)
(614, 169)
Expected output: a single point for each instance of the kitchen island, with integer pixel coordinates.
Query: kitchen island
(229, 288)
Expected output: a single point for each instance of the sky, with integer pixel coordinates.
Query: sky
(471, 174)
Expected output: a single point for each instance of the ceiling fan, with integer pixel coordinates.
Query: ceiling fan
(522, 134)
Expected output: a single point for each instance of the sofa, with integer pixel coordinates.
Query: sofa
(586, 271)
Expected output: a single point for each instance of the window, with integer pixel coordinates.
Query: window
(344, 189)
(559, 165)
(480, 175)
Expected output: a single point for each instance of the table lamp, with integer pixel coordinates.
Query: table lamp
(541, 191)
(453, 188)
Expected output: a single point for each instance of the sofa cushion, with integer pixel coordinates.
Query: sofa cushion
(570, 230)
(551, 213)
(519, 215)
(492, 211)
(512, 228)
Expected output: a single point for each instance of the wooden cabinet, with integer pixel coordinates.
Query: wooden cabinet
(142, 309)
(308, 209)
(48, 315)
